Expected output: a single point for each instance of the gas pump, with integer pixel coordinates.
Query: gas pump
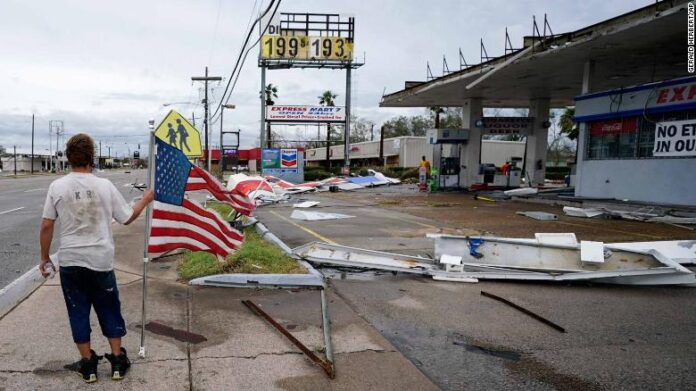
(446, 156)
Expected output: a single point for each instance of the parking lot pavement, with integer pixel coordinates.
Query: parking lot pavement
(618, 337)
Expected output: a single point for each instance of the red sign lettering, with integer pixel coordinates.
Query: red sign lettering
(677, 93)
(662, 96)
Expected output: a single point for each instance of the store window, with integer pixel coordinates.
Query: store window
(628, 138)
(613, 139)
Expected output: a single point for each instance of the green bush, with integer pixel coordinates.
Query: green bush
(409, 173)
(557, 173)
(316, 175)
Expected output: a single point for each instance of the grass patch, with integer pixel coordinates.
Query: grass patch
(256, 255)
(198, 264)
(223, 209)
(260, 256)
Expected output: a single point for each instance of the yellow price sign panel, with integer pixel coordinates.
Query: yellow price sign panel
(179, 133)
(284, 47)
(330, 48)
(275, 47)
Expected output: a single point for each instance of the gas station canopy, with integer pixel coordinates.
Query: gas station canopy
(648, 44)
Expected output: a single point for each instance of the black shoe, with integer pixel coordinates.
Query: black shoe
(119, 364)
(86, 367)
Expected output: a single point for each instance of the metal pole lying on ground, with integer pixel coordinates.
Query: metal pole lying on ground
(326, 365)
(148, 214)
(524, 310)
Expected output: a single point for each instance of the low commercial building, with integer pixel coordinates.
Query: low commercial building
(22, 161)
(407, 151)
(642, 148)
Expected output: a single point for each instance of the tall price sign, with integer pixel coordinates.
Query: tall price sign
(279, 47)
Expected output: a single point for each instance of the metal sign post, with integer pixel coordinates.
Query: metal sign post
(310, 40)
(146, 238)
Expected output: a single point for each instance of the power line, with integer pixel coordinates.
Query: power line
(234, 84)
(242, 51)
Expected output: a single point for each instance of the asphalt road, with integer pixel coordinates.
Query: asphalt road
(618, 337)
(21, 204)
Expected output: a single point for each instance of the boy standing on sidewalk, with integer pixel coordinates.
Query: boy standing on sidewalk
(85, 206)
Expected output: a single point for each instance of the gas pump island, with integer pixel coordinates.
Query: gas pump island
(452, 151)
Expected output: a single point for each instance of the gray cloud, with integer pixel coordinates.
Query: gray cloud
(106, 67)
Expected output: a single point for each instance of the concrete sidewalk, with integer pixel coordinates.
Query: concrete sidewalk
(209, 339)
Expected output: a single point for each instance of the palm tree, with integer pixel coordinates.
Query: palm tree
(271, 92)
(437, 110)
(327, 98)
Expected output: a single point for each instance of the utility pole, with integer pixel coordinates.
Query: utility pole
(99, 157)
(328, 146)
(15, 160)
(205, 79)
(381, 146)
(59, 129)
(31, 170)
(221, 162)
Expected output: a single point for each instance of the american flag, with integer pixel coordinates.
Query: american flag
(181, 223)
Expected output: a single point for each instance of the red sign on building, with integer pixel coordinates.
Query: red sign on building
(614, 126)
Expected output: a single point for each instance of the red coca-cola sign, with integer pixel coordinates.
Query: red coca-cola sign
(614, 126)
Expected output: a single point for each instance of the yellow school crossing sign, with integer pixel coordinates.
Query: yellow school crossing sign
(176, 131)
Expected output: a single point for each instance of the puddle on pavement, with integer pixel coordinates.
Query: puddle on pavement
(525, 366)
(178, 334)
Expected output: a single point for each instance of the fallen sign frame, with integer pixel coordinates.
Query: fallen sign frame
(326, 365)
(313, 280)
(511, 259)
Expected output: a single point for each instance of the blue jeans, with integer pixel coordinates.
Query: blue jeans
(84, 288)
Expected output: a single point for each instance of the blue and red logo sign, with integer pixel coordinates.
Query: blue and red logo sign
(288, 158)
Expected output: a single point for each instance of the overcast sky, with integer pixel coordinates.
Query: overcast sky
(106, 67)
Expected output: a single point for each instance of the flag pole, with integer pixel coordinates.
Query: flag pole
(146, 260)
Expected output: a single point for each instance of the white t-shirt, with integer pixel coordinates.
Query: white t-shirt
(85, 205)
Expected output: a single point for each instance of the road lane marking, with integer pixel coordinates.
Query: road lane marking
(29, 191)
(11, 210)
(309, 231)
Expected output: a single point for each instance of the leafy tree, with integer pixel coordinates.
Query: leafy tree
(560, 148)
(361, 129)
(396, 127)
(452, 117)
(568, 127)
(419, 124)
(271, 92)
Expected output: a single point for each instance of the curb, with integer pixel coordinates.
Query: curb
(270, 237)
(19, 289)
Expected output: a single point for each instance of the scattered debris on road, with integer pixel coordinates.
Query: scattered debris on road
(316, 216)
(543, 216)
(582, 212)
(522, 191)
(306, 204)
(550, 257)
